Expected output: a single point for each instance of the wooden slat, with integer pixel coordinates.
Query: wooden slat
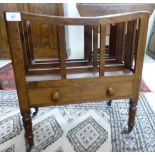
(123, 41)
(70, 63)
(76, 69)
(88, 42)
(62, 51)
(120, 40)
(95, 44)
(27, 56)
(137, 34)
(30, 41)
(102, 49)
(51, 61)
(24, 46)
(112, 42)
(130, 43)
(23, 32)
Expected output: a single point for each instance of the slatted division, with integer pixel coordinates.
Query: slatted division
(123, 43)
(116, 59)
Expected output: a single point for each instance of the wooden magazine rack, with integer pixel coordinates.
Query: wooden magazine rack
(61, 81)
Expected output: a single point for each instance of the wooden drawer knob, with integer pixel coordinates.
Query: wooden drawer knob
(56, 96)
(110, 91)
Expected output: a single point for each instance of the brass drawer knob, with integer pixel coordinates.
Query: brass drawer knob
(110, 91)
(56, 96)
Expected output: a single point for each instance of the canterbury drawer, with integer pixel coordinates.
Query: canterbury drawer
(79, 93)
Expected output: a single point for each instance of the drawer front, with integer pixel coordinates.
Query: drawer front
(76, 93)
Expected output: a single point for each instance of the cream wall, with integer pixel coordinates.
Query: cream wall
(75, 34)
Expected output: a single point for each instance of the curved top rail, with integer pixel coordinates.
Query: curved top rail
(107, 19)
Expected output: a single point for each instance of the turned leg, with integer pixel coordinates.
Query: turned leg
(132, 114)
(109, 103)
(27, 123)
(36, 111)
